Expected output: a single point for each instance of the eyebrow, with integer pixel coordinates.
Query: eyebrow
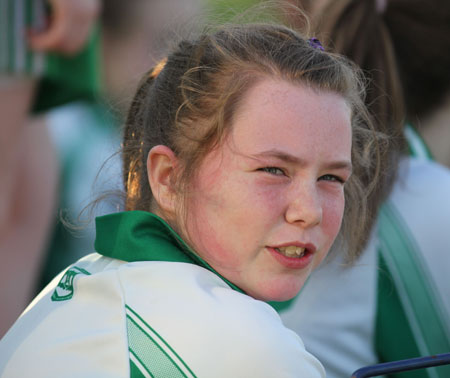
(288, 158)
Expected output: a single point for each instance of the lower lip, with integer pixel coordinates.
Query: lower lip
(291, 262)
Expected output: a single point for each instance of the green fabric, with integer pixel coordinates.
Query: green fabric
(407, 304)
(154, 355)
(11, 46)
(71, 78)
(135, 372)
(143, 236)
(29, 21)
(393, 339)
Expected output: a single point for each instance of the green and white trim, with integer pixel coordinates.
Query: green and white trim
(16, 17)
(407, 275)
(150, 354)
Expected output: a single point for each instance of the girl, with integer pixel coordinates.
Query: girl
(401, 306)
(239, 153)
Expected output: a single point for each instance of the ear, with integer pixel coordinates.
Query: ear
(161, 170)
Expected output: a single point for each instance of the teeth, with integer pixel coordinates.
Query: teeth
(292, 251)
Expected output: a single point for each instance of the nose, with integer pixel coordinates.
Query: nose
(304, 207)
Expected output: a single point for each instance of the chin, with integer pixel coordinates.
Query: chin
(279, 292)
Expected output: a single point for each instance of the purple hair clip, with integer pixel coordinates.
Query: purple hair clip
(314, 42)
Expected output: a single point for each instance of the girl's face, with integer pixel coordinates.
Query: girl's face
(267, 204)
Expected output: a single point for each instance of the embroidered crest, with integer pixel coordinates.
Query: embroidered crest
(64, 290)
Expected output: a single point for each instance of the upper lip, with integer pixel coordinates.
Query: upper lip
(311, 248)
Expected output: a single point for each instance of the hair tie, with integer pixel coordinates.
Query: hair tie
(314, 42)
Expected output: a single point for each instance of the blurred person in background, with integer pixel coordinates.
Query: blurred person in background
(133, 36)
(394, 303)
(47, 58)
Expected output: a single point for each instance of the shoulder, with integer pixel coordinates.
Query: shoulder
(107, 316)
(214, 329)
(76, 324)
(420, 179)
(418, 212)
(421, 199)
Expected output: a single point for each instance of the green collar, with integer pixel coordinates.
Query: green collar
(143, 236)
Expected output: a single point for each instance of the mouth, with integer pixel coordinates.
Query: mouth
(293, 256)
(292, 251)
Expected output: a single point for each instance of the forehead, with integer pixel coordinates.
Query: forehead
(279, 114)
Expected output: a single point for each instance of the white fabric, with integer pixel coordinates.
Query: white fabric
(335, 312)
(217, 331)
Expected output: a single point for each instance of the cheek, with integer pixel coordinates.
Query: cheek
(227, 223)
(209, 227)
(333, 212)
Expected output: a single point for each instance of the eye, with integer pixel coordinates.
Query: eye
(332, 178)
(273, 171)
